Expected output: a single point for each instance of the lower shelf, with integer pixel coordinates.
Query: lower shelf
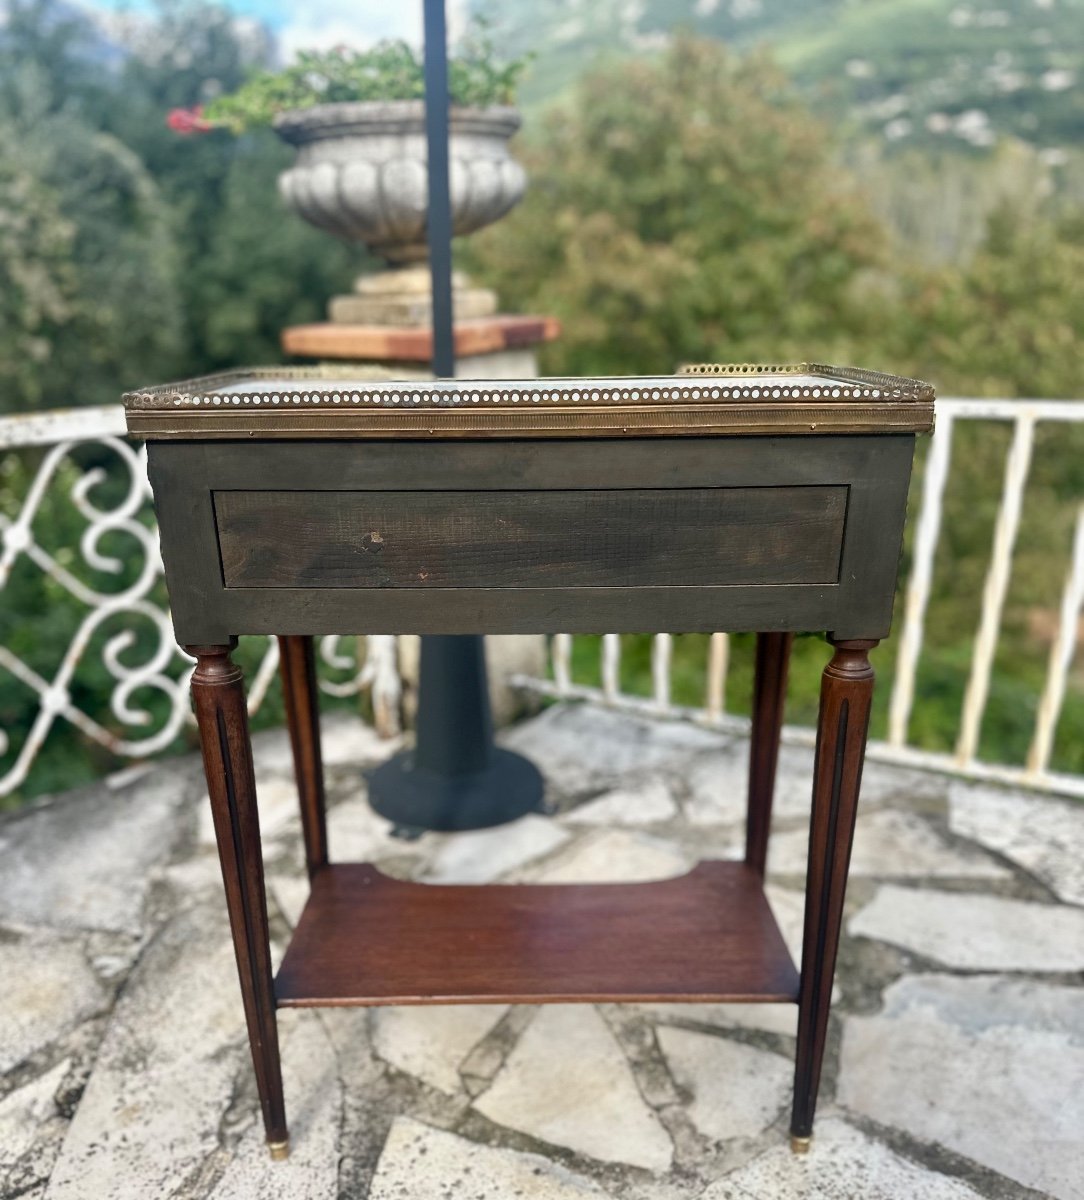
(365, 938)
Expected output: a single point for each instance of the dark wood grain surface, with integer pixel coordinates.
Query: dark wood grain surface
(769, 698)
(842, 726)
(297, 665)
(218, 695)
(873, 471)
(603, 538)
(365, 938)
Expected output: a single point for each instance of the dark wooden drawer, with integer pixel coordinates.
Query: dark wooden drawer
(641, 537)
(544, 536)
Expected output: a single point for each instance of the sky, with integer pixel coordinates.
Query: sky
(318, 24)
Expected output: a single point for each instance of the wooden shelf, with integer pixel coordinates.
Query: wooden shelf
(365, 938)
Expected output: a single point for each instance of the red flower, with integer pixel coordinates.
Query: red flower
(188, 120)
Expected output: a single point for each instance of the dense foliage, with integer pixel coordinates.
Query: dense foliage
(687, 207)
(129, 254)
(683, 208)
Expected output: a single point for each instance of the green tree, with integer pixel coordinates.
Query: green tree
(133, 254)
(105, 238)
(686, 208)
(1009, 322)
(35, 265)
(248, 266)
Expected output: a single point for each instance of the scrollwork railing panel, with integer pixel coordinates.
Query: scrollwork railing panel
(67, 507)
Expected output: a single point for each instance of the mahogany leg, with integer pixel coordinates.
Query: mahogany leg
(219, 697)
(846, 693)
(297, 661)
(769, 696)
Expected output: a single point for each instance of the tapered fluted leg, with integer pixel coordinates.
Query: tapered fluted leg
(297, 661)
(769, 695)
(219, 697)
(846, 693)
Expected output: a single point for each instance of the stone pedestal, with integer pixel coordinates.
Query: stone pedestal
(486, 347)
(403, 298)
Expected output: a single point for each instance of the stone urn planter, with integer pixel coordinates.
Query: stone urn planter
(361, 171)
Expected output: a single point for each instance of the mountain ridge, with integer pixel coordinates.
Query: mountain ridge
(955, 74)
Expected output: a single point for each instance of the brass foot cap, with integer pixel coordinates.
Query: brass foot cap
(280, 1151)
(800, 1145)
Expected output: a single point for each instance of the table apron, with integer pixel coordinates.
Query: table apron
(731, 533)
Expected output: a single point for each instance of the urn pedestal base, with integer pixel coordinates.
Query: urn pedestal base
(403, 297)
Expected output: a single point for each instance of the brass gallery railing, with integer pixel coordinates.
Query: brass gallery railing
(75, 506)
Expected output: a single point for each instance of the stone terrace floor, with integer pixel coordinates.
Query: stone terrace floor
(955, 1066)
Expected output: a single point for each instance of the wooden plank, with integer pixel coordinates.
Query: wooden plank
(365, 938)
(518, 539)
(481, 335)
(876, 508)
(588, 464)
(807, 607)
(186, 524)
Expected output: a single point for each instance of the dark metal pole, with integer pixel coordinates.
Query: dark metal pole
(455, 778)
(440, 196)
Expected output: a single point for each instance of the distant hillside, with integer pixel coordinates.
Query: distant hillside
(953, 73)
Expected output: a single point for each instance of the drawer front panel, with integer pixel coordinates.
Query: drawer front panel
(721, 536)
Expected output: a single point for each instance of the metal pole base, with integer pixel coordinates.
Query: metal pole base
(455, 778)
(417, 798)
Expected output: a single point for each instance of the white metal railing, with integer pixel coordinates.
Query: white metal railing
(1023, 416)
(165, 671)
(166, 668)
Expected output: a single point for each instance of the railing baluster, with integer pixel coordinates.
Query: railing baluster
(562, 662)
(918, 586)
(265, 672)
(1061, 656)
(611, 667)
(661, 653)
(381, 673)
(997, 583)
(718, 662)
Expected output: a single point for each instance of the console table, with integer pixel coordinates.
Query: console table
(763, 499)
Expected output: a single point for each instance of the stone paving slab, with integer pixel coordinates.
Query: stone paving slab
(568, 1084)
(31, 1130)
(166, 1072)
(84, 862)
(433, 1043)
(975, 932)
(484, 855)
(311, 1079)
(613, 856)
(986, 1066)
(424, 1163)
(126, 1072)
(736, 1091)
(646, 803)
(847, 1165)
(890, 843)
(48, 989)
(1043, 835)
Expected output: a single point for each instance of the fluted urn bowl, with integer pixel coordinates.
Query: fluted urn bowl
(361, 171)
